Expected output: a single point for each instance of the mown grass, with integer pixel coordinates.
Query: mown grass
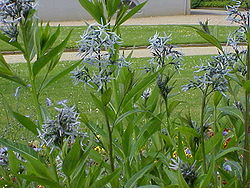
(139, 35)
(80, 96)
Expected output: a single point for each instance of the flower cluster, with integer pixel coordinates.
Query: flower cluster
(163, 83)
(188, 171)
(98, 48)
(3, 156)
(65, 127)
(97, 38)
(146, 94)
(163, 52)
(11, 14)
(237, 16)
(214, 76)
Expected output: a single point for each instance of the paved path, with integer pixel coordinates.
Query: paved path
(216, 17)
(73, 56)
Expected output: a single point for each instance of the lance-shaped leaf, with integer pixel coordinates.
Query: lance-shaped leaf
(107, 179)
(132, 181)
(26, 122)
(209, 38)
(45, 59)
(95, 9)
(7, 40)
(131, 13)
(20, 148)
(10, 76)
(51, 40)
(3, 64)
(60, 75)
(139, 88)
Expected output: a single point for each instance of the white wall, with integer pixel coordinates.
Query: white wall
(62, 10)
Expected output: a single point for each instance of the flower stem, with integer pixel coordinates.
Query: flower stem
(110, 143)
(246, 159)
(203, 106)
(34, 94)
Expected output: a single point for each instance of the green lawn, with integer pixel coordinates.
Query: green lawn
(64, 89)
(139, 35)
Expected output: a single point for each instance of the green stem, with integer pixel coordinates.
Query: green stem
(35, 94)
(215, 119)
(51, 161)
(246, 159)
(203, 106)
(168, 115)
(110, 144)
(33, 89)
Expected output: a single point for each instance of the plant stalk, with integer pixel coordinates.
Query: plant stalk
(246, 159)
(110, 144)
(34, 94)
(203, 106)
(33, 89)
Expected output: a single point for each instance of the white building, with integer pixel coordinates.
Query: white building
(63, 10)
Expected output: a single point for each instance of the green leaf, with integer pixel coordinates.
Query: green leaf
(41, 180)
(45, 59)
(139, 87)
(132, 181)
(40, 169)
(7, 40)
(95, 9)
(107, 179)
(173, 105)
(131, 13)
(52, 39)
(98, 103)
(112, 7)
(147, 131)
(206, 181)
(81, 163)
(229, 150)
(19, 148)
(60, 75)
(180, 150)
(150, 186)
(181, 181)
(217, 98)
(10, 76)
(26, 122)
(125, 115)
(188, 131)
(210, 145)
(208, 37)
(14, 163)
(106, 96)
(246, 85)
(72, 158)
(127, 139)
(3, 63)
(232, 111)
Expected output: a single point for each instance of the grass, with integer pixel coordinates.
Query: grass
(77, 95)
(139, 35)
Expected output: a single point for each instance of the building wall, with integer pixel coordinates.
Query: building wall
(63, 10)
